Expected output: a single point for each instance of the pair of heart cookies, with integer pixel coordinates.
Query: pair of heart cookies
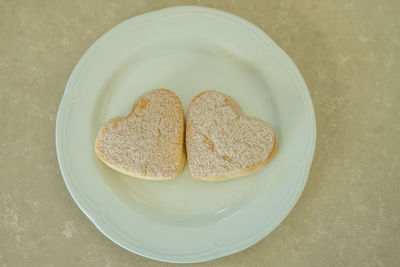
(221, 141)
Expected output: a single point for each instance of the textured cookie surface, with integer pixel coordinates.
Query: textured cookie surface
(149, 142)
(222, 142)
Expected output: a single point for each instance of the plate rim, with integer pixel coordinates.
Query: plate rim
(101, 226)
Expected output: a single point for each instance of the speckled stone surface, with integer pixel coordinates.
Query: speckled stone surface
(349, 54)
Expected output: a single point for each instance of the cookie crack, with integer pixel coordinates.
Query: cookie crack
(158, 127)
(211, 145)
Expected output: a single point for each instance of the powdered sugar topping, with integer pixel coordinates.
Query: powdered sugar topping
(149, 141)
(222, 139)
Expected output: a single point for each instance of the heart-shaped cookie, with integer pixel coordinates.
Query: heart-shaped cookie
(222, 142)
(149, 142)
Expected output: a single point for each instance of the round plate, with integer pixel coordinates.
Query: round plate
(187, 50)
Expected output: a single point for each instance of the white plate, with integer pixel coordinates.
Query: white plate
(188, 50)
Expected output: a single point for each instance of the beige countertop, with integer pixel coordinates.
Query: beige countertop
(349, 54)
